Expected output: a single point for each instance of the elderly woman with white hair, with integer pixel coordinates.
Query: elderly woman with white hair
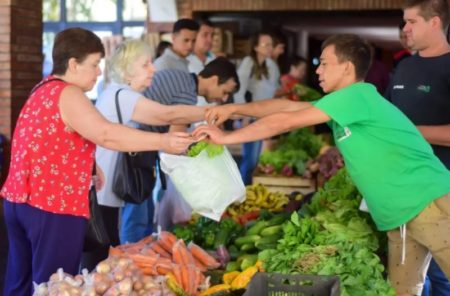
(130, 70)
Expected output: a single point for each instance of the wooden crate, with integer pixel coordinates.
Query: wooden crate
(284, 184)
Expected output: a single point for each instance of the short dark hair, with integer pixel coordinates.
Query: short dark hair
(185, 23)
(431, 8)
(75, 43)
(162, 45)
(205, 22)
(223, 68)
(296, 61)
(351, 48)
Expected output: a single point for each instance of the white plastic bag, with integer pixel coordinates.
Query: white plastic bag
(209, 185)
(173, 209)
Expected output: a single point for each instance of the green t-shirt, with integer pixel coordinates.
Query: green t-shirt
(390, 162)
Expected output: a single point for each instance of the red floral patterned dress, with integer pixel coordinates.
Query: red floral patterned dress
(51, 166)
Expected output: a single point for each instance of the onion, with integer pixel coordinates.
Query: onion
(125, 286)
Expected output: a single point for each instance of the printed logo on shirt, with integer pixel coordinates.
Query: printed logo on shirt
(398, 86)
(424, 88)
(342, 133)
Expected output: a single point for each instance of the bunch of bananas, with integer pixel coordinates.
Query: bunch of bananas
(259, 197)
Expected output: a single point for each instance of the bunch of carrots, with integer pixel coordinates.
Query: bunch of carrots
(165, 255)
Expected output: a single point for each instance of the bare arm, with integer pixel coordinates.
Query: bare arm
(178, 128)
(153, 113)
(436, 134)
(79, 114)
(265, 127)
(256, 109)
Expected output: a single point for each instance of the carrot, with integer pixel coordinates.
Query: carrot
(163, 268)
(176, 269)
(200, 265)
(199, 279)
(167, 240)
(148, 251)
(165, 260)
(183, 256)
(144, 262)
(114, 251)
(165, 245)
(131, 248)
(146, 240)
(177, 255)
(158, 249)
(203, 256)
(185, 278)
(149, 271)
(193, 274)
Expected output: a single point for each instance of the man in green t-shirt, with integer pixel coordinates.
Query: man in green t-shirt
(405, 185)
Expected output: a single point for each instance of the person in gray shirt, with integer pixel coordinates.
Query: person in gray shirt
(183, 40)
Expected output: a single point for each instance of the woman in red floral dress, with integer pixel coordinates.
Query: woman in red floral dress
(46, 191)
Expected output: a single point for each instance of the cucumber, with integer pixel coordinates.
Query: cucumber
(222, 237)
(256, 228)
(262, 247)
(248, 247)
(248, 260)
(272, 230)
(234, 252)
(248, 239)
(232, 266)
(277, 219)
(271, 239)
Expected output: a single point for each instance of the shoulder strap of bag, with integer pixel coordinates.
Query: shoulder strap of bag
(161, 173)
(43, 83)
(119, 114)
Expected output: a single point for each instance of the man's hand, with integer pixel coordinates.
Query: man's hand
(218, 114)
(177, 142)
(98, 178)
(215, 134)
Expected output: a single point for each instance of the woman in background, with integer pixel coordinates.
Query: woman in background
(259, 81)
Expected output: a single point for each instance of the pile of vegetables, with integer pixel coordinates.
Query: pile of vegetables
(330, 236)
(208, 233)
(290, 154)
(232, 281)
(261, 234)
(328, 163)
(152, 266)
(258, 197)
(211, 149)
(113, 277)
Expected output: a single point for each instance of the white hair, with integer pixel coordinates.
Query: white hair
(125, 54)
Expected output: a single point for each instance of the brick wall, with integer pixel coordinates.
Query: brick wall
(20, 60)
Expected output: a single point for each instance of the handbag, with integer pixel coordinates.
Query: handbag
(135, 172)
(96, 233)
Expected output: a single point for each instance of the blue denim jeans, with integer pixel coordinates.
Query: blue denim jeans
(436, 282)
(250, 157)
(137, 221)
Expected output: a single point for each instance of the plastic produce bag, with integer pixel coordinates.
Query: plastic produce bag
(209, 185)
(173, 209)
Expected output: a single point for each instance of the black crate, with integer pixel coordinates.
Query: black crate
(276, 284)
